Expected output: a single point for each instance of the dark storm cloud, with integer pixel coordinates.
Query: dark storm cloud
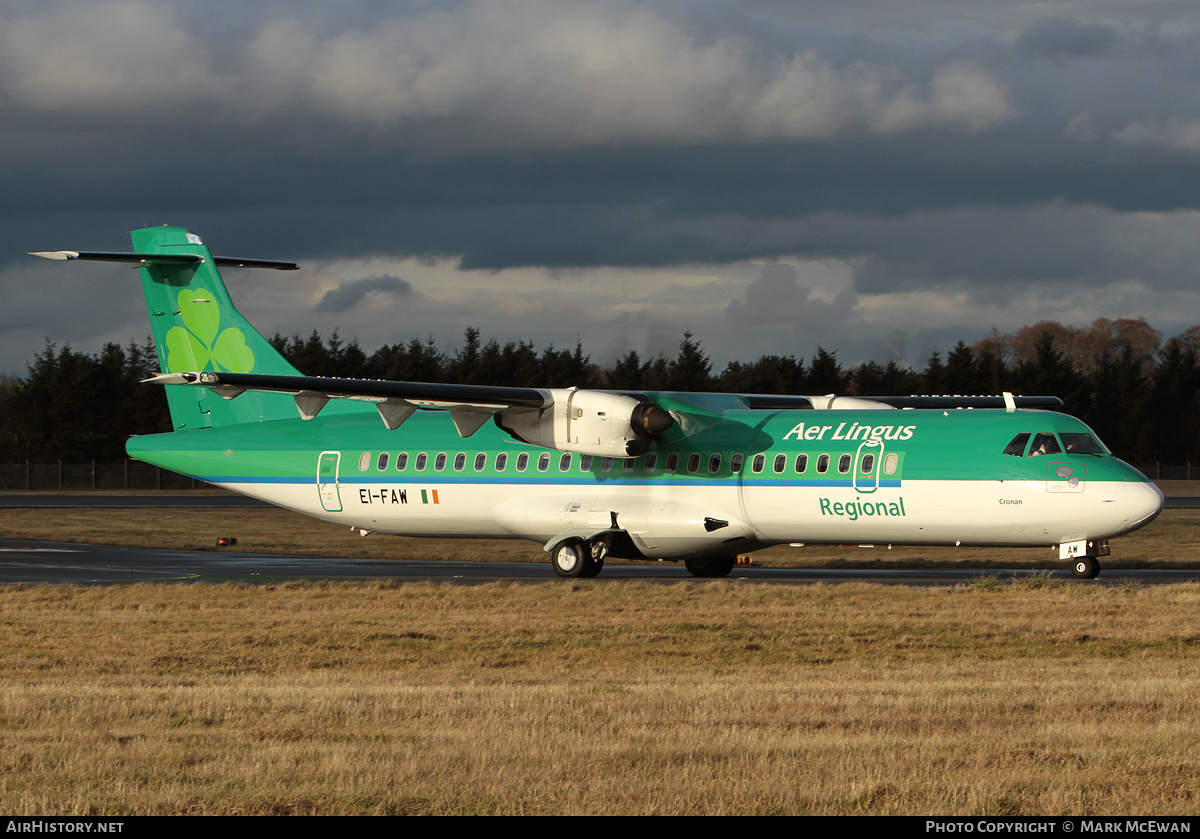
(350, 294)
(980, 148)
(778, 298)
(1065, 39)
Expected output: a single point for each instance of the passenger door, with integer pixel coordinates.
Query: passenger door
(327, 481)
(868, 462)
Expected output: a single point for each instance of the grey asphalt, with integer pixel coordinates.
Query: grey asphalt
(30, 562)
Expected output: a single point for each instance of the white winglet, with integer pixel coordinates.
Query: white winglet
(62, 256)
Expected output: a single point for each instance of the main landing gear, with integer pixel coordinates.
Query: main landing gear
(577, 558)
(710, 566)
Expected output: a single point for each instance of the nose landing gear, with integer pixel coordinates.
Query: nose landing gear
(1086, 568)
(1084, 554)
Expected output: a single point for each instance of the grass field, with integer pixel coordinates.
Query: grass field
(701, 698)
(1046, 696)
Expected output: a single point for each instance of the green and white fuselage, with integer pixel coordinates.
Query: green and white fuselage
(912, 477)
(590, 474)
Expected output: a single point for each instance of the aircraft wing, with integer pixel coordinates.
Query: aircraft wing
(768, 401)
(470, 406)
(605, 423)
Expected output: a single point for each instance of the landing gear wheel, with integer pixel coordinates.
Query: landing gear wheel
(570, 558)
(710, 566)
(594, 559)
(1086, 568)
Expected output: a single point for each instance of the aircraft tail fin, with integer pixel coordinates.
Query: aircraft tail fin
(197, 328)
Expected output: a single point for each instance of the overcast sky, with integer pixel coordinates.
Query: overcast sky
(881, 178)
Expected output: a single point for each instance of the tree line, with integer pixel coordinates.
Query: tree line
(1141, 394)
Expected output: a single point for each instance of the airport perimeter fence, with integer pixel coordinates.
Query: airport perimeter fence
(137, 476)
(128, 475)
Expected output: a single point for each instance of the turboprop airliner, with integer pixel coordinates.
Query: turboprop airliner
(591, 474)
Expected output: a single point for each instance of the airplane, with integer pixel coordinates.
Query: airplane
(593, 474)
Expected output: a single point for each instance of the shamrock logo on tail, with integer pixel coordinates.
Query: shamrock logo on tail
(201, 342)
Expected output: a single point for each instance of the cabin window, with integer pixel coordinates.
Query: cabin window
(606, 464)
(630, 462)
(650, 463)
(735, 462)
(522, 461)
(693, 463)
(501, 461)
(1080, 443)
(756, 465)
(801, 463)
(439, 462)
(382, 462)
(1016, 446)
(823, 464)
(401, 461)
(714, 463)
(422, 459)
(564, 462)
(543, 461)
(364, 461)
(867, 464)
(480, 462)
(1044, 444)
(890, 463)
(844, 463)
(585, 463)
(672, 463)
(780, 462)
(460, 460)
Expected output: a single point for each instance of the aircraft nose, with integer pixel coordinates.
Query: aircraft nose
(1141, 504)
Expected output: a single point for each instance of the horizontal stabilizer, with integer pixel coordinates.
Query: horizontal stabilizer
(140, 259)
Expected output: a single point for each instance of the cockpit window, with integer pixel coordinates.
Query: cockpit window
(1044, 444)
(1017, 447)
(1080, 443)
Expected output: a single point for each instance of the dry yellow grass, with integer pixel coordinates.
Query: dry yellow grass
(588, 697)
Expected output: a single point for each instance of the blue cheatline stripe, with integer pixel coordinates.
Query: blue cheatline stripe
(549, 481)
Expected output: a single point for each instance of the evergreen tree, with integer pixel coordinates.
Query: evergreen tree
(962, 373)
(826, 375)
(690, 371)
(770, 374)
(933, 379)
(1049, 373)
(893, 380)
(627, 374)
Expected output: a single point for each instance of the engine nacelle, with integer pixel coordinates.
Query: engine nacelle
(594, 422)
(847, 403)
